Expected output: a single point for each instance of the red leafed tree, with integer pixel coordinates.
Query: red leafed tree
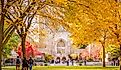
(31, 50)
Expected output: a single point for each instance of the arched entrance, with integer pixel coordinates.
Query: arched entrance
(61, 47)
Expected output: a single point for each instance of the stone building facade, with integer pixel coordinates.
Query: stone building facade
(58, 44)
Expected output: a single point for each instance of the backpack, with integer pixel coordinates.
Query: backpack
(17, 61)
(30, 61)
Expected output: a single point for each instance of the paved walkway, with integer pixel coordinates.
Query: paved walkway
(75, 64)
(61, 64)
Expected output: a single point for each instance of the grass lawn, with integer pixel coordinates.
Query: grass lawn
(66, 68)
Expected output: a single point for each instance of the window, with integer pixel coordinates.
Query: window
(61, 43)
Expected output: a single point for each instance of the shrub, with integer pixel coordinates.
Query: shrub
(89, 59)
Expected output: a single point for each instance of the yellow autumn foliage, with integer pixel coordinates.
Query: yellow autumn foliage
(92, 20)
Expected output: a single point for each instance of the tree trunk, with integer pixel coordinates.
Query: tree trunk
(120, 57)
(23, 40)
(1, 30)
(0, 46)
(23, 46)
(103, 60)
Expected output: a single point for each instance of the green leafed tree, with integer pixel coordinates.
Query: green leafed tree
(11, 44)
(113, 52)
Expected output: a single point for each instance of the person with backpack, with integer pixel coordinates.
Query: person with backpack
(30, 63)
(24, 64)
(18, 63)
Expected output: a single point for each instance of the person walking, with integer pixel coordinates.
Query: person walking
(117, 62)
(114, 62)
(24, 64)
(85, 61)
(72, 61)
(30, 63)
(18, 63)
(67, 62)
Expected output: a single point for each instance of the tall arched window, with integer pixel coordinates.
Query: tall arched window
(61, 47)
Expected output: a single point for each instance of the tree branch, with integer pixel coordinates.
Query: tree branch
(8, 37)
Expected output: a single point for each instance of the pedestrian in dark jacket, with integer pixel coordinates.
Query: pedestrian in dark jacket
(18, 63)
(67, 62)
(31, 61)
(24, 64)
